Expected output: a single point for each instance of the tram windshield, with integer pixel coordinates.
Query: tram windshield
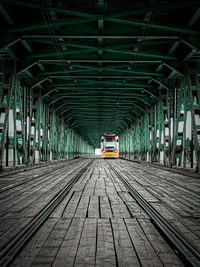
(109, 139)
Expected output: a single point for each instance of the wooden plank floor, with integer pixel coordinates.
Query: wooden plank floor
(176, 197)
(24, 194)
(99, 224)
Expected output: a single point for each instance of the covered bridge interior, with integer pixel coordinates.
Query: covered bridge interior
(74, 70)
(71, 72)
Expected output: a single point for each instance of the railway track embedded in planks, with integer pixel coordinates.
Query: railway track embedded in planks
(187, 252)
(58, 168)
(10, 251)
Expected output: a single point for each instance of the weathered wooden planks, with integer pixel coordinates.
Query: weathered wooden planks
(126, 254)
(174, 196)
(87, 247)
(99, 224)
(105, 250)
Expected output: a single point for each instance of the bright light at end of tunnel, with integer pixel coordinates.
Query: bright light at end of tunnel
(98, 151)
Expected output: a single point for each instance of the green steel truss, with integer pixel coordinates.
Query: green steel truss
(169, 132)
(84, 68)
(35, 132)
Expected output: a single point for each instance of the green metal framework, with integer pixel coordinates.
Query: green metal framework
(169, 132)
(104, 66)
(35, 132)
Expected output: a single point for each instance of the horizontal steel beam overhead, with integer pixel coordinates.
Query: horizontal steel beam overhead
(87, 103)
(65, 87)
(105, 106)
(100, 83)
(123, 88)
(101, 116)
(142, 74)
(102, 119)
(115, 69)
(108, 116)
(120, 121)
(84, 46)
(126, 105)
(98, 77)
(105, 94)
(136, 37)
(97, 114)
(60, 62)
(93, 49)
(100, 61)
(97, 89)
(99, 96)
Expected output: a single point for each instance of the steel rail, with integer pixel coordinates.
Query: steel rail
(192, 256)
(25, 180)
(9, 252)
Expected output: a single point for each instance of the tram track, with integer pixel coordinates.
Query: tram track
(57, 168)
(35, 181)
(186, 251)
(174, 170)
(27, 200)
(157, 177)
(149, 172)
(17, 243)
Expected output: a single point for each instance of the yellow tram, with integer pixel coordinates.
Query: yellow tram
(110, 146)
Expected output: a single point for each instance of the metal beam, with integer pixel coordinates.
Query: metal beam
(99, 77)
(6, 15)
(99, 60)
(27, 67)
(161, 85)
(194, 18)
(9, 43)
(40, 26)
(146, 74)
(39, 83)
(27, 46)
(161, 27)
(148, 92)
(94, 49)
(64, 53)
(96, 89)
(131, 37)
